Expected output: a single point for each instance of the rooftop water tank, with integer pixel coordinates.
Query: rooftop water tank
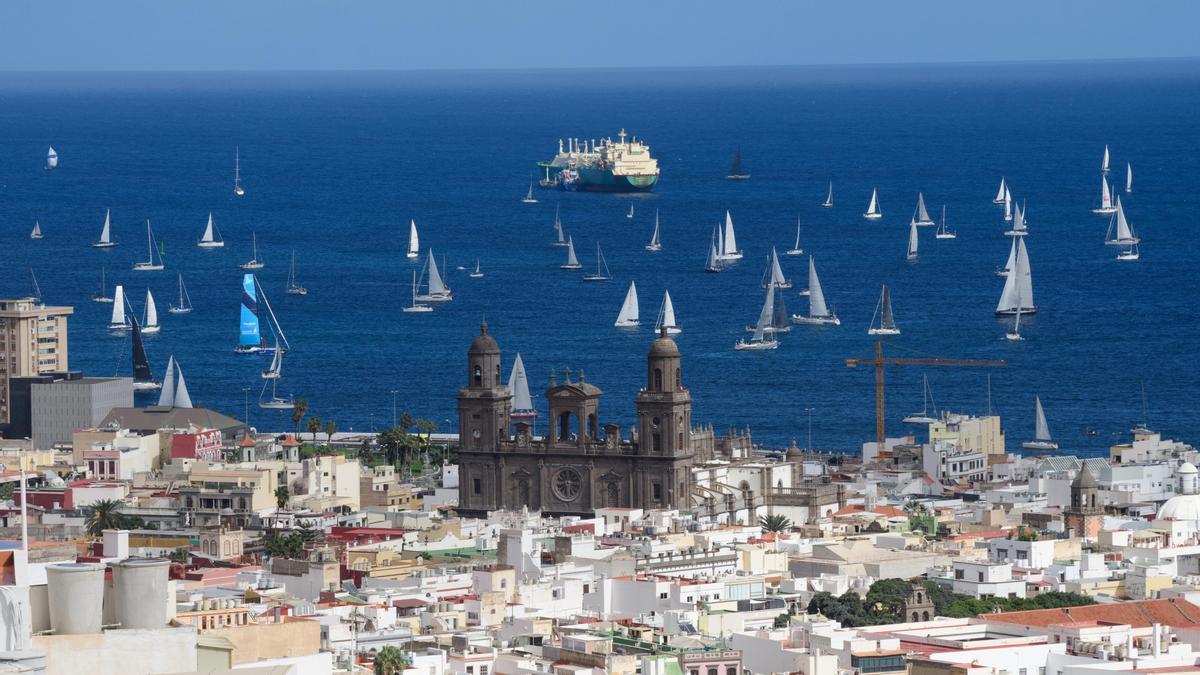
(76, 593)
(140, 591)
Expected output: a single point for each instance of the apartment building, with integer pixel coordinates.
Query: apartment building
(33, 341)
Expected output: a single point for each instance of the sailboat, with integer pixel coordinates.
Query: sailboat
(102, 294)
(1008, 202)
(237, 173)
(143, 379)
(476, 273)
(106, 233)
(1128, 177)
(1018, 285)
(655, 244)
(119, 319)
(212, 236)
(922, 216)
(828, 203)
(149, 265)
(761, 339)
(518, 388)
(253, 263)
(558, 228)
(942, 232)
(1019, 227)
(250, 340)
(1008, 264)
(436, 290)
(572, 262)
(185, 300)
(924, 417)
(602, 273)
(36, 296)
(37, 230)
(912, 242)
(727, 241)
(273, 375)
(735, 168)
(818, 312)
(795, 249)
(51, 159)
(276, 368)
(1120, 233)
(1041, 432)
(630, 214)
(773, 274)
(174, 388)
(628, 316)
(529, 198)
(666, 316)
(1014, 335)
(779, 322)
(294, 288)
(873, 212)
(414, 241)
(883, 310)
(1104, 162)
(416, 307)
(150, 323)
(1106, 202)
(999, 198)
(713, 262)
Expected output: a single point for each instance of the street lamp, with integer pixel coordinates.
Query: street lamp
(246, 404)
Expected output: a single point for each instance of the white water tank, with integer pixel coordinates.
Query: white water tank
(140, 591)
(76, 593)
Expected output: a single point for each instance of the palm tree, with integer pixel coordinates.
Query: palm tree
(106, 515)
(299, 410)
(390, 661)
(314, 425)
(775, 523)
(282, 495)
(330, 430)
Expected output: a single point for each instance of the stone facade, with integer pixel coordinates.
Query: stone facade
(1085, 515)
(581, 464)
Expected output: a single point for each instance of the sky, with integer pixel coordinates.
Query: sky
(75, 35)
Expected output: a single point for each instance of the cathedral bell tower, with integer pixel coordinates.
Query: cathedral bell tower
(664, 429)
(484, 404)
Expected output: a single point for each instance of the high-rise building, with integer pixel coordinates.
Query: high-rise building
(33, 341)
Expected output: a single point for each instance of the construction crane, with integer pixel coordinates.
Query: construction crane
(879, 362)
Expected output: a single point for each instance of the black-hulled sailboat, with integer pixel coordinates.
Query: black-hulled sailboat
(735, 169)
(143, 379)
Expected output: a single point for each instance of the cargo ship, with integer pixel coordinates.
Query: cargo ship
(604, 166)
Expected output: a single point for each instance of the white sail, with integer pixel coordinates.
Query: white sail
(1128, 177)
(666, 315)
(106, 233)
(776, 272)
(414, 241)
(912, 240)
(922, 214)
(816, 297)
(999, 198)
(51, 158)
(518, 387)
(1104, 164)
(713, 264)
(572, 261)
(1042, 429)
(1105, 195)
(37, 230)
(829, 197)
(1018, 287)
(182, 398)
(1123, 234)
(436, 285)
(151, 321)
(766, 315)
(1018, 219)
(208, 231)
(118, 310)
(1012, 258)
(655, 244)
(1008, 215)
(873, 207)
(629, 309)
(166, 396)
(886, 320)
(730, 240)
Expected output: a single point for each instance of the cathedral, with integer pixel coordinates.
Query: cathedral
(581, 464)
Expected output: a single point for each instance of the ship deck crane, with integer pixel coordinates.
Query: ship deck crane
(879, 361)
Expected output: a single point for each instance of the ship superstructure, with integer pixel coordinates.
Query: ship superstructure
(601, 166)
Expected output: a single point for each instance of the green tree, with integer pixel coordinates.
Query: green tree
(282, 495)
(775, 523)
(299, 410)
(330, 430)
(782, 620)
(405, 422)
(284, 544)
(180, 554)
(395, 443)
(7, 490)
(105, 515)
(390, 661)
(313, 426)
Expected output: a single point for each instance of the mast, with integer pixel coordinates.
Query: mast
(274, 322)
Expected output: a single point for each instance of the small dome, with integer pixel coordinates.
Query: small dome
(1181, 507)
(1187, 467)
(484, 343)
(794, 453)
(664, 346)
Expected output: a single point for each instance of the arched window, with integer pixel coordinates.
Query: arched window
(478, 377)
(924, 616)
(713, 671)
(657, 441)
(497, 374)
(658, 379)
(919, 596)
(916, 617)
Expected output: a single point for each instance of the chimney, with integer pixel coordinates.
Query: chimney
(116, 544)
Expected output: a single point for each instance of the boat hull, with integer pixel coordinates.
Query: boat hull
(146, 386)
(816, 320)
(1040, 445)
(570, 267)
(277, 405)
(946, 236)
(1013, 312)
(104, 244)
(588, 179)
(794, 251)
(872, 216)
(252, 266)
(179, 310)
(418, 309)
(653, 248)
(435, 298)
(743, 346)
(738, 177)
(919, 419)
(627, 324)
(102, 299)
(1110, 209)
(827, 205)
(210, 244)
(883, 331)
(143, 267)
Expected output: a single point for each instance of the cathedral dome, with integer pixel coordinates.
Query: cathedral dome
(484, 343)
(664, 346)
(1181, 507)
(1187, 467)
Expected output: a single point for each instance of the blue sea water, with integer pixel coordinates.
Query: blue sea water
(335, 165)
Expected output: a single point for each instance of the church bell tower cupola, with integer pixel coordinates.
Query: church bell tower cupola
(664, 405)
(484, 404)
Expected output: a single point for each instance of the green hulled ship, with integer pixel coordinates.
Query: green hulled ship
(604, 166)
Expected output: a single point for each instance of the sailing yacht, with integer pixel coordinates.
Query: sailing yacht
(185, 300)
(761, 339)
(779, 322)
(1104, 162)
(276, 368)
(828, 203)
(1014, 335)
(174, 388)
(927, 403)
(1106, 202)
(713, 262)
(294, 288)
(1128, 177)
(727, 241)
(435, 289)
(149, 265)
(922, 216)
(818, 312)
(250, 339)
(1018, 284)
(150, 317)
(873, 212)
(883, 310)
(414, 241)
(212, 236)
(602, 273)
(1019, 227)
(1008, 202)
(572, 262)
(416, 307)
(253, 263)
(143, 379)
(666, 316)
(1041, 432)
(1120, 233)
(106, 233)
(912, 242)
(51, 159)
(630, 214)
(273, 375)
(655, 244)
(735, 168)
(942, 232)
(529, 198)
(237, 173)
(773, 274)
(999, 198)
(476, 273)
(518, 388)
(558, 228)
(628, 316)
(37, 230)
(102, 294)
(795, 249)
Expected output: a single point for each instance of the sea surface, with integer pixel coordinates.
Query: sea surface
(335, 165)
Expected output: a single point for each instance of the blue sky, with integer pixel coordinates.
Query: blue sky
(399, 34)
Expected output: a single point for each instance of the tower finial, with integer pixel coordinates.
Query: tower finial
(662, 331)
(483, 327)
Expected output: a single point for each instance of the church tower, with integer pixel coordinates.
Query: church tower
(664, 425)
(1084, 516)
(484, 404)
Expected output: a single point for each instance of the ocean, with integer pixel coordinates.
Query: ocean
(335, 165)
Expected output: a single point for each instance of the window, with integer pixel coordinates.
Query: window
(483, 670)
(656, 491)
(504, 583)
(477, 485)
(958, 574)
(470, 670)
(713, 671)
(658, 379)
(478, 377)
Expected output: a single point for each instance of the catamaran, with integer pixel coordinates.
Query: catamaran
(253, 263)
(149, 265)
(735, 168)
(1018, 285)
(927, 406)
(873, 212)
(414, 241)
(558, 228)
(818, 312)
(529, 198)
(773, 274)
(150, 317)
(999, 198)
(628, 316)
(294, 288)
(37, 230)
(1128, 177)
(572, 262)
(602, 273)
(1041, 432)
(1104, 162)
(713, 262)
(212, 236)
(795, 249)
(1106, 202)
(416, 307)
(477, 273)
(921, 217)
(106, 233)
(237, 173)
(518, 387)
(655, 245)
(119, 319)
(102, 294)
(727, 241)
(1120, 233)
(883, 310)
(911, 256)
(828, 203)
(436, 290)
(666, 316)
(761, 339)
(143, 379)
(185, 300)
(942, 232)
(51, 159)
(630, 214)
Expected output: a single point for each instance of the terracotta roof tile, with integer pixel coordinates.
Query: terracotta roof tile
(1142, 614)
